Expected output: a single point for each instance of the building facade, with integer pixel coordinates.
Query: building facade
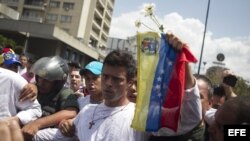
(87, 21)
(128, 44)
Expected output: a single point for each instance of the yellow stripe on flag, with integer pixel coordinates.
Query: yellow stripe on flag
(147, 63)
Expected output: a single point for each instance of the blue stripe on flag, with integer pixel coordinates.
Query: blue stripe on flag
(167, 58)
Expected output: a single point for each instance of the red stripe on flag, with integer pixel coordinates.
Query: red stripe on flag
(172, 103)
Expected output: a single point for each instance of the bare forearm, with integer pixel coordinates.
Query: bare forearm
(56, 118)
(190, 82)
(10, 119)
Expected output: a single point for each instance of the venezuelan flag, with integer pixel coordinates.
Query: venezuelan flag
(161, 79)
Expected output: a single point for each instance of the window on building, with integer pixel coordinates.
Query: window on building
(25, 13)
(68, 5)
(66, 54)
(35, 2)
(31, 13)
(54, 4)
(73, 56)
(51, 17)
(66, 19)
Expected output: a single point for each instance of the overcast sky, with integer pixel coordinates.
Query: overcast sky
(228, 29)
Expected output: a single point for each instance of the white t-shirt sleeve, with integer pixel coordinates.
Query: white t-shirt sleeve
(27, 110)
(191, 110)
(83, 101)
(190, 114)
(209, 116)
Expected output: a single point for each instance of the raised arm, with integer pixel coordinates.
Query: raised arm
(178, 45)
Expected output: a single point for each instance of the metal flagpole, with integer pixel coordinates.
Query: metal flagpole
(204, 35)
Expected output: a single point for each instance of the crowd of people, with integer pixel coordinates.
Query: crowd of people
(49, 99)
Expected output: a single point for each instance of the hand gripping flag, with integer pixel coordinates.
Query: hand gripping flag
(161, 81)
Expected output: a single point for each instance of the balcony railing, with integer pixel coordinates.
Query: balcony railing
(33, 19)
(9, 2)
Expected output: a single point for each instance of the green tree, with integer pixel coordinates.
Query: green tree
(242, 88)
(214, 74)
(6, 42)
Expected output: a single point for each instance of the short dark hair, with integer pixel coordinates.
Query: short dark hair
(74, 64)
(24, 55)
(118, 58)
(208, 82)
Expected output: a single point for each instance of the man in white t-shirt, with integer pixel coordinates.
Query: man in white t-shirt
(111, 120)
(92, 75)
(11, 85)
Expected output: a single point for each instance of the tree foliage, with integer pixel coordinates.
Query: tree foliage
(6, 42)
(242, 86)
(214, 73)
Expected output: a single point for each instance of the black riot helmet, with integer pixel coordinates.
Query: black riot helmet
(52, 69)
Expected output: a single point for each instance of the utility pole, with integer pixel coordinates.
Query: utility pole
(204, 35)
